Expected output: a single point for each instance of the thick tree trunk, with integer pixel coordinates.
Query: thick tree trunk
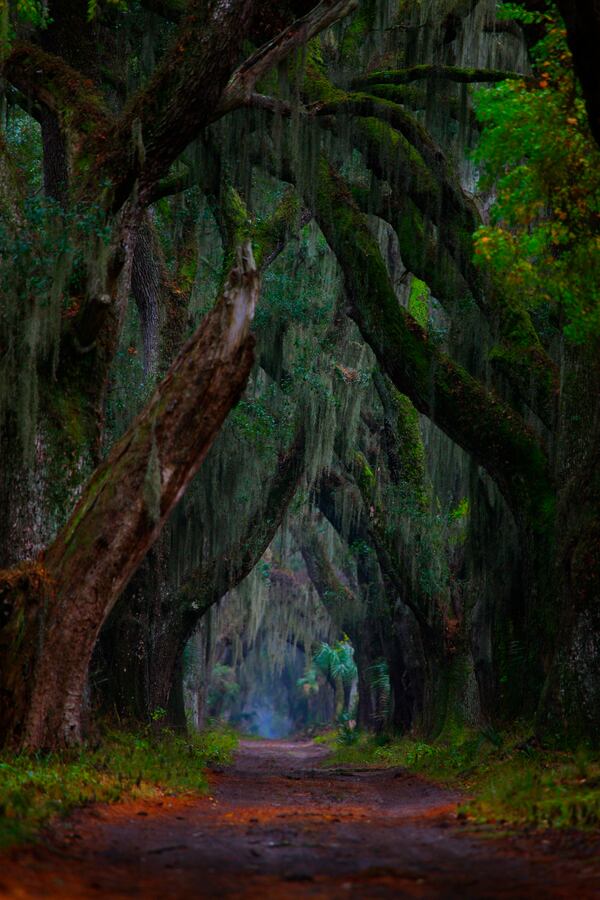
(570, 704)
(121, 512)
(137, 653)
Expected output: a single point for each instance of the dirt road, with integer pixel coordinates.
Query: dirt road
(278, 825)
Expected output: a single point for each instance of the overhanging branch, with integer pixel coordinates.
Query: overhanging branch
(197, 82)
(475, 418)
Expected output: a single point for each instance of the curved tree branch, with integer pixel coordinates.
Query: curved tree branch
(337, 598)
(473, 417)
(400, 151)
(242, 82)
(424, 189)
(196, 83)
(214, 578)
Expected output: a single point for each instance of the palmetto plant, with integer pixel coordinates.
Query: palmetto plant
(337, 661)
(335, 664)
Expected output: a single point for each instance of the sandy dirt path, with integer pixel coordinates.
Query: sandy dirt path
(278, 825)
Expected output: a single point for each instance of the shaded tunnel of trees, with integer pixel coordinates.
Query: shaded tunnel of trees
(299, 350)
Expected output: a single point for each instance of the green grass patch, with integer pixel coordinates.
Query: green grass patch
(509, 779)
(548, 790)
(35, 788)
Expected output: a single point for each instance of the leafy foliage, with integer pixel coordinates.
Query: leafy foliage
(34, 12)
(337, 660)
(536, 150)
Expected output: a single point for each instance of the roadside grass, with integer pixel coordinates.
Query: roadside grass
(125, 765)
(509, 779)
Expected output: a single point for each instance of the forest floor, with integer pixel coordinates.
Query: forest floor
(277, 824)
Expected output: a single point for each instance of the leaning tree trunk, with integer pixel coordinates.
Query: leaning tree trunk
(53, 611)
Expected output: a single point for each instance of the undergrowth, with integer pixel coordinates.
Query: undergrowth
(34, 788)
(510, 780)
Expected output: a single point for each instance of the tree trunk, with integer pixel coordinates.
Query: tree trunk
(365, 715)
(121, 513)
(570, 704)
(140, 644)
(347, 693)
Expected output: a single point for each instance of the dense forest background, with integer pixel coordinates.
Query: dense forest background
(299, 365)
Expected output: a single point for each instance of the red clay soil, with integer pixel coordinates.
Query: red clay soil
(277, 825)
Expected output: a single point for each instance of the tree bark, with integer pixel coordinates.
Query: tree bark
(122, 510)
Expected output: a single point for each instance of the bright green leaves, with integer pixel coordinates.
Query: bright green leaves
(336, 660)
(543, 241)
(35, 12)
(418, 301)
(460, 511)
(517, 12)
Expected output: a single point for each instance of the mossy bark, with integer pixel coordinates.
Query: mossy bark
(125, 504)
(475, 418)
(425, 192)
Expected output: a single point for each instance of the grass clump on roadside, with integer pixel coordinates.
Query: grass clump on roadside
(509, 779)
(546, 790)
(34, 788)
